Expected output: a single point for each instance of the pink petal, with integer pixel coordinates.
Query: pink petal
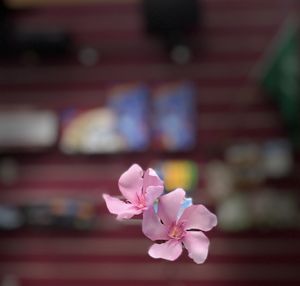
(131, 182)
(152, 227)
(152, 194)
(169, 250)
(120, 208)
(132, 211)
(198, 217)
(197, 245)
(152, 179)
(169, 206)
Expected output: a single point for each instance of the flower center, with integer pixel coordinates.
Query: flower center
(141, 202)
(176, 232)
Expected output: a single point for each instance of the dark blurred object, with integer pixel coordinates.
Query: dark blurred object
(245, 161)
(277, 158)
(10, 218)
(54, 214)
(10, 280)
(60, 213)
(260, 209)
(172, 20)
(170, 16)
(15, 42)
(9, 171)
(281, 78)
(37, 215)
(242, 191)
(72, 214)
(252, 163)
(219, 180)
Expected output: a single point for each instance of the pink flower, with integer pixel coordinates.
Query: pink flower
(178, 230)
(139, 188)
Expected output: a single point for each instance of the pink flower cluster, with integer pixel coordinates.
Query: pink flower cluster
(168, 224)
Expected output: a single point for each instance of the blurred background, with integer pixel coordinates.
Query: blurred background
(206, 92)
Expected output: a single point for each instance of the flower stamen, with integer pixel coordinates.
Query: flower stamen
(141, 202)
(176, 232)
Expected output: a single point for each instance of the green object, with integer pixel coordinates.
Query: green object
(281, 79)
